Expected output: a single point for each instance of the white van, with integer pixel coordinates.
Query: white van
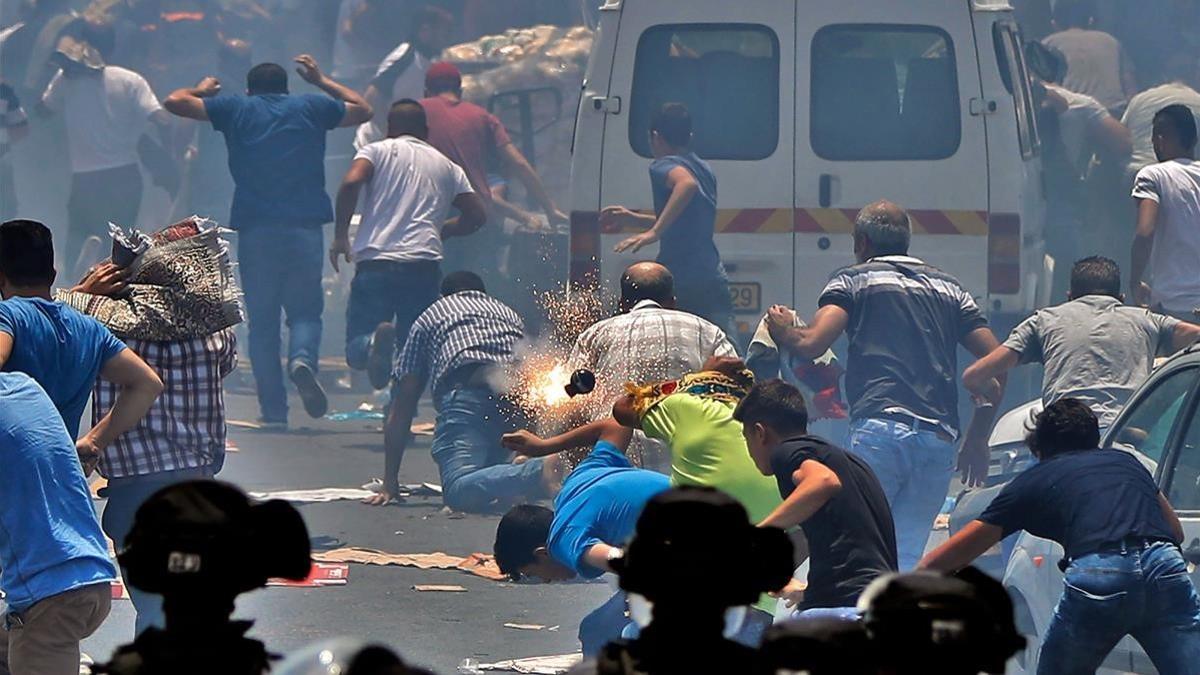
(807, 111)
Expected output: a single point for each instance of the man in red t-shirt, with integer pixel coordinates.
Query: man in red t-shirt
(475, 140)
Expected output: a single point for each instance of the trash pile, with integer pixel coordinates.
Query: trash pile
(531, 58)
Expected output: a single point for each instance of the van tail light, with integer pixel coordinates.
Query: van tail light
(1004, 253)
(584, 268)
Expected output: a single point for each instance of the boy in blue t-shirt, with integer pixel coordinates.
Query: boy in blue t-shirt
(594, 515)
(60, 348)
(685, 214)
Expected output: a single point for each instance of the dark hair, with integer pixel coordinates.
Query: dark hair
(674, 123)
(430, 15)
(657, 284)
(267, 78)
(27, 253)
(775, 404)
(406, 116)
(457, 282)
(1074, 13)
(1181, 121)
(1064, 426)
(1096, 275)
(522, 531)
(99, 34)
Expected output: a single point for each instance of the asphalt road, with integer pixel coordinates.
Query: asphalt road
(437, 630)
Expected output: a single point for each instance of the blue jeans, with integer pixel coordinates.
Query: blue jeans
(384, 290)
(603, 625)
(749, 634)
(281, 271)
(476, 470)
(124, 496)
(1143, 591)
(914, 466)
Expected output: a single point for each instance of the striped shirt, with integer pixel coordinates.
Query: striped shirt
(646, 344)
(906, 321)
(185, 428)
(462, 329)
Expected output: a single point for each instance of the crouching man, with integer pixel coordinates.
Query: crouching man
(594, 515)
(456, 345)
(830, 494)
(1125, 573)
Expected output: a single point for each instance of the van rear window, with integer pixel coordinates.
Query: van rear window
(726, 74)
(884, 92)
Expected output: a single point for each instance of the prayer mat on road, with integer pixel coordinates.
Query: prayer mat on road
(479, 564)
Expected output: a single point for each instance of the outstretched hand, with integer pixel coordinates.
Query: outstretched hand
(523, 442)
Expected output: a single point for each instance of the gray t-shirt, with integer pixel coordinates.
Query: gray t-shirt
(1094, 349)
(1094, 63)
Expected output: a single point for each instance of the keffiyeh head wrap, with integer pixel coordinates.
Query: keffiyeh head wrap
(707, 384)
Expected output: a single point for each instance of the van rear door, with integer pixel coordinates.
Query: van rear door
(885, 95)
(731, 64)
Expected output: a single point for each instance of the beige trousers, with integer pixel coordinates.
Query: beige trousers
(45, 640)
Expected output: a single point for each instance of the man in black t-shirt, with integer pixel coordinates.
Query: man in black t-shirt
(832, 495)
(1125, 573)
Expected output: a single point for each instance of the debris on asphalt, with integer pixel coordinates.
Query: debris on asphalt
(439, 588)
(323, 495)
(243, 424)
(478, 564)
(536, 665)
(525, 626)
(321, 574)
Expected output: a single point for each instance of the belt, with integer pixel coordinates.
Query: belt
(1121, 546)
(916, 424)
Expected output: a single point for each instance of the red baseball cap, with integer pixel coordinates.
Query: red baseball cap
(443, 75)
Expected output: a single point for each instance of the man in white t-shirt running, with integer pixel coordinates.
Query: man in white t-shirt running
(106, 109)
(409, 190)
(1168, 222)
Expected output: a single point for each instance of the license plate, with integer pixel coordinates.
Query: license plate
(747, 297)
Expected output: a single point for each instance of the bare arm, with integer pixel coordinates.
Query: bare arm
(189, 102)
(360, 173)
(598, 556)
(1111, 137)
(816, 484)
(396, 433)
(1185, 334)
(973, 455)
(358, 110)
(472, 214)
(1143, 242)
(606, 429)
(6, 346)
(524, 172)
(1172, 518)
(981, 377)
(810, 341)
(683, 187)
(139, 387)
(963, 548)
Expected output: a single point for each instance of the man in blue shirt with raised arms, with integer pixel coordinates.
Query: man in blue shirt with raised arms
(1124, 571)
(54, 564)
(276, 144)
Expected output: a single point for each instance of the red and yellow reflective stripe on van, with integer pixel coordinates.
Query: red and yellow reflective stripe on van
(841, 221)
(1003, 231)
